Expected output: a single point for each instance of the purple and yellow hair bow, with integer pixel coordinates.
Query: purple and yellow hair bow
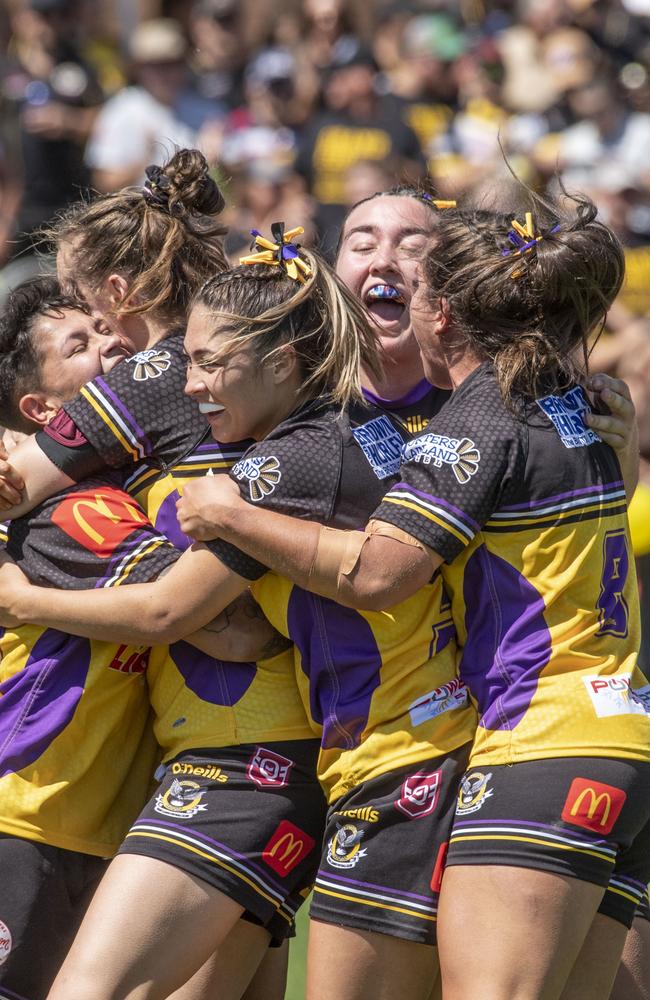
(282, 253)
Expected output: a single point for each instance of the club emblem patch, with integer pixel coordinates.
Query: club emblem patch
(149, 364)
(434, 449)
(344, 849)
(473, 792)
(263, 475)
(182, 800)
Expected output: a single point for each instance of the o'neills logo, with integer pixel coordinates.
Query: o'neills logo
(366, 813)
(593, 805)
(434, 449)
(6, 942)
(210, 771)
(287, 847)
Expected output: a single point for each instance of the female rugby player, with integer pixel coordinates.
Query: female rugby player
(277, 359)
(523, 508)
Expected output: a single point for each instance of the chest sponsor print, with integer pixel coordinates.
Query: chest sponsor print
(434, 449)
(263, 475)
(616, 696)
(453, 694)
(382, 446)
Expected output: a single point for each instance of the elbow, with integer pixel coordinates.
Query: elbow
(162, 626)
(373, 594)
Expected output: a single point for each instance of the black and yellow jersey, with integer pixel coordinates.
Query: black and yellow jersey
(415, 408)
(77, 752)
(529, 513)
(380, 687)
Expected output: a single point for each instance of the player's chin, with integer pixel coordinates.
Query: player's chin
(108, 364)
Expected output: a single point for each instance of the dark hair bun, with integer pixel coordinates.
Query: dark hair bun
(190, 184)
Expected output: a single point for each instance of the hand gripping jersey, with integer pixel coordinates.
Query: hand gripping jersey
(381, 686)
(76, 751)
(530, 517)
(139, 416)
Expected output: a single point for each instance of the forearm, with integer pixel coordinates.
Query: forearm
(40, 477)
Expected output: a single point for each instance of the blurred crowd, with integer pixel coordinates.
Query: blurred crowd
(306, 106)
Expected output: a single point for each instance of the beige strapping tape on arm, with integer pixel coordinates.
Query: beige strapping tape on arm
(338, 552)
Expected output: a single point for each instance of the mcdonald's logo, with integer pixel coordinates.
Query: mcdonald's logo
(287, 847)
(593, 805)
(99, 519)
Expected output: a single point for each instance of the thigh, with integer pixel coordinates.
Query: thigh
(270, 979)
(383, 852)
(633, 977)
(594, 971)
(246, 820)
(515, 931)
(347, 964)
(227, 974)
(45, 891)
(148, 929)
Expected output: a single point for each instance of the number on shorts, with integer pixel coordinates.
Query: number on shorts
(614, 612)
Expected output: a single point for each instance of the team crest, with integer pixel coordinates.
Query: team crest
(473, 792)
(344, 849)
(150, 364)
(263, 475)
(434, 449)
(182, 800)
(420, 793)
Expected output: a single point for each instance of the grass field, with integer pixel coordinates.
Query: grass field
(297, 957)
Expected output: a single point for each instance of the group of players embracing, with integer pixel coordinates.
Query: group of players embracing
(341, 557)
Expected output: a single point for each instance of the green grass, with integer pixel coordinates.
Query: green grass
(298, 956)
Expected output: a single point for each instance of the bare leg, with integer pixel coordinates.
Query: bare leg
(270, 979)
(633, 979)
(227, 974)
(594, 972)
(510, 933)
(346, 964)
(148, 929)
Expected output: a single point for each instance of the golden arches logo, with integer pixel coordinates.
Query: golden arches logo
(594, 802)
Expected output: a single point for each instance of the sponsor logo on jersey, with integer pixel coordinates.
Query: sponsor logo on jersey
(99, 520)
(287, 847)
(269, 769)
(149, 364)
(344, 849)
(209, 771)
(263, 475)
(128, 660)
(434, 449)
(366, 813)
(453, 694)
(567, 414)
(593, 805)
(182, 800)
(381, 444)
(6, 942)
(615, 696)
(420, 793)
(473, 792)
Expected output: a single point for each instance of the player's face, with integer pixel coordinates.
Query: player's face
(382, 242)
(98, 300)
(236, 393)
(75, 348)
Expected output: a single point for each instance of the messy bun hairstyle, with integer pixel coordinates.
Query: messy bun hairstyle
(163, 237)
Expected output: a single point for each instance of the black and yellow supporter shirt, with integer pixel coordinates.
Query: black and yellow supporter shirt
(530, 516)
(76, 750)
(381, 686)
(139, 411)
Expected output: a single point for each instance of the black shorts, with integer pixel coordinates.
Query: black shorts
(643, 909)
(384, 850)
(586, 817)
(44, 893)
(246, 819)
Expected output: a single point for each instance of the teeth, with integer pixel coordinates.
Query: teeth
(384, 292)
(211, 407)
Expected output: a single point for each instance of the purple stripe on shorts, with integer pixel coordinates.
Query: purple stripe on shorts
(281, 889)
(371, 885)
(540, 826)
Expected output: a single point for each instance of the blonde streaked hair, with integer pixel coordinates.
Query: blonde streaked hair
(320, 319)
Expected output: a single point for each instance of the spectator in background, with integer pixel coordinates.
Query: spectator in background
(217, 57)
(356, 125)
(141, 123)
(50, 98)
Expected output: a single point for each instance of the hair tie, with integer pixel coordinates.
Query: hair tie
(436, 202)
(155, 190)
(283, 253)
(524, 239)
